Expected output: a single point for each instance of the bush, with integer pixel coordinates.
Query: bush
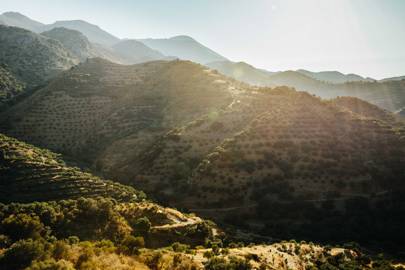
(177, 247)
(142, 226)
(22, 253)
(51, 264)
(234, 263)
(23, 226)
(131, 244)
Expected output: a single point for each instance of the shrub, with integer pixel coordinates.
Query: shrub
(234, 263)
(51, 264)
(142, 226)
(131, 244)
(22, 253)
(179, 247)
(23, 226)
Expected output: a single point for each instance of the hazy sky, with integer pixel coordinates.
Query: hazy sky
(360, 36)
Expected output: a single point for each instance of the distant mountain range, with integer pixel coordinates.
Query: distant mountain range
(387, 93)
(334, 76)
(182, 47)
(82, 40)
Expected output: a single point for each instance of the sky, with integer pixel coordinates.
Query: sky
(365, 37)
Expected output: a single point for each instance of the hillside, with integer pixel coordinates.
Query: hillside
(94, 33)
(90, 216)
(18, 20)
(9, 86)
(33, 174)
(363, 109)
(185, 48)
(77, 44)
(98, 103)
(334, 76)
(102, 233)
(32, 58)
(135, 52)
(281, 150)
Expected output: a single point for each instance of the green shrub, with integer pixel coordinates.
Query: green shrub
(234, 263)
(142, 226)
(130, 244)
(22, 253)
(23, 226)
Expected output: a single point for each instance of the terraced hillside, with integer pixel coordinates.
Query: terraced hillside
(32, 58)
(9, 86)
(98, 103)
(105, 234)
(33, 174)
(282, 162)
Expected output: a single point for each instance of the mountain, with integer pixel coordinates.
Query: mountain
(135, 52)
(10, 87)
(399, 78)
(77, 43)
(32, 58)
(243, 72)
(18, 20)
(334, 76)
(184, 47)
(94, 33)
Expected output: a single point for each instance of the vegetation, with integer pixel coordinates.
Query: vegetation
(33, 174)
(35, 60)
(9, 86)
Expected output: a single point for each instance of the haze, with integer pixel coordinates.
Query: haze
(363, 37)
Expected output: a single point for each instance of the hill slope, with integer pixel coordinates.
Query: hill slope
(185, 48)
(32, 58)
(98, 103)
(33, 174)
(9, 86)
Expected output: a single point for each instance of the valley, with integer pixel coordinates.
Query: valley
(160, 153)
